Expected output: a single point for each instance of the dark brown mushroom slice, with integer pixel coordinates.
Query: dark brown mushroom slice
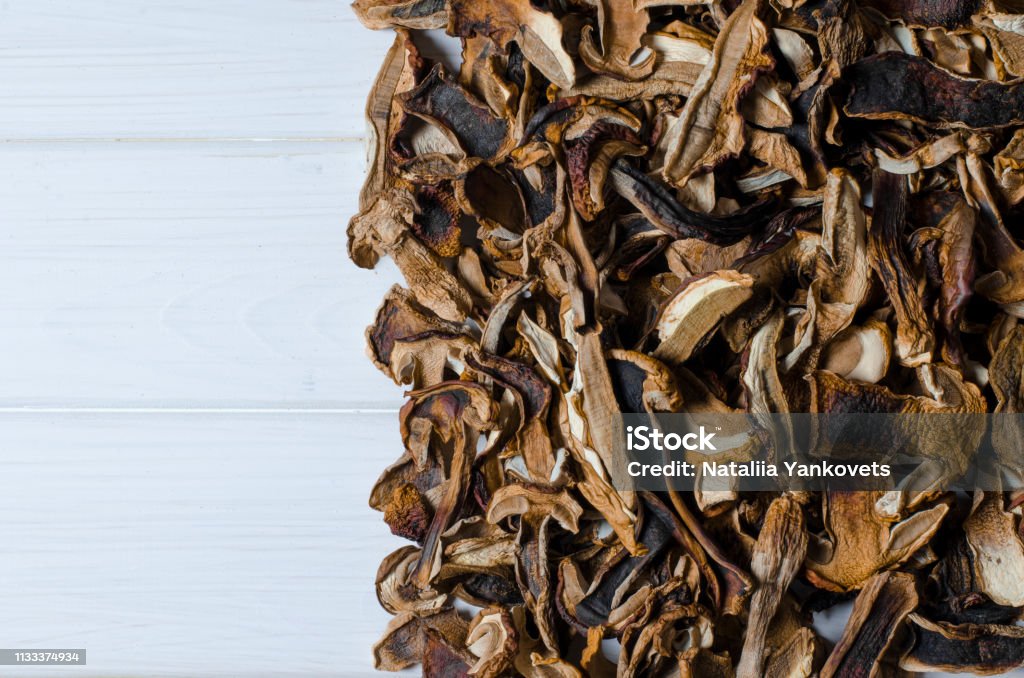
(982, 649)
(915, 339)
(944, 13)
(663, 210)
(952, 596)
(482, 589)
(900, 86)
(494, 198)
(639, 244)
(439, 99)
(777, 232)
(878, 613)
(401, 317)
(408, 513)
(436, 222)
(594, 608)
(588, 160)
(951, 259)
(443, 658)
(405, 641)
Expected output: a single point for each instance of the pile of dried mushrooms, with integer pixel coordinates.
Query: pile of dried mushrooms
(702, 206)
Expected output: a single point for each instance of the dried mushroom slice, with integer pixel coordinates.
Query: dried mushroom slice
(900, 86)
(421, 14)
(878, 612)
(862, 542)
(981, 649)
(622, 25)
(710, 128)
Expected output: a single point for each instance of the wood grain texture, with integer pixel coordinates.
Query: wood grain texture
(90, 69)
(194, 545)
(185, 274)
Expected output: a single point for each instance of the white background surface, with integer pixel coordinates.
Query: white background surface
(188, 425)
(188, 495)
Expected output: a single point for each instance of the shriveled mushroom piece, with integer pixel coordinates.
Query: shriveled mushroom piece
(710, 127)
(981, 649)
(877, 614)
(778, 556)
(621, 25)
(408, 638)
(446, 421)
(860, 542)
(696, 310)
(915, 339)
(421, 14)
(899, 86)
(538, 33)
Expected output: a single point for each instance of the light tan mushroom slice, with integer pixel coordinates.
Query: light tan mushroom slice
(696, 310)
(396, 591)
(878, 612)
(860, 353)
(794, 649)
(1005, 284)
(926, 156)
(422, 361)
(395, 76)
(775, 562)
(544, 347)
(998, 555)
(766, 106)
(538, 33)
(864, 543)
(519, 500)
(775, 151)
(1005, 34)
(795, 50)
(622, 26)
(494, 640)
(418, 14)
(384, 228)
(845, 268)
(592, 431)
(691, 257)
(1009, 168)
(710, 128)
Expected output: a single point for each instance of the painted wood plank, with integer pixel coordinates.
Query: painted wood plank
(165, 69)
(184, 68)
(194, 545)
(185, 274)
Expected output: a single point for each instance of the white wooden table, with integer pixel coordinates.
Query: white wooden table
(188, 425)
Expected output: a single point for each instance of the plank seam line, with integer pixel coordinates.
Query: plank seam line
(197, 410)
